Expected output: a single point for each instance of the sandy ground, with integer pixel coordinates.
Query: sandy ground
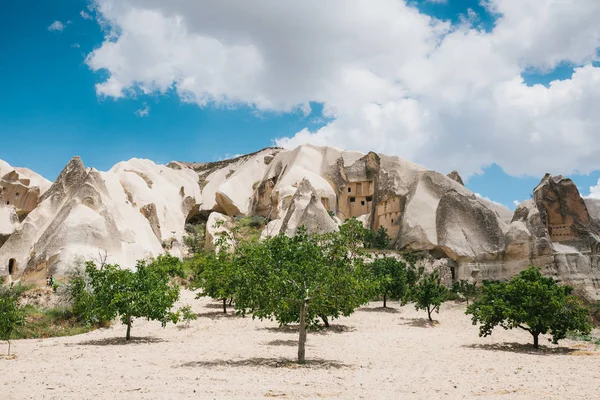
(371, 355)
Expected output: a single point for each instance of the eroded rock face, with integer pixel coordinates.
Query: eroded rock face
(307, 210)
(21, 188)
(562, 210)
(466, 229)
(455, 176)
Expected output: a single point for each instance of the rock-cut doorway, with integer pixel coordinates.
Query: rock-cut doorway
(12, 266)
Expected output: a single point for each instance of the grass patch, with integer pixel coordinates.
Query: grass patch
(54, 322)
(249, 228)
(584, 338)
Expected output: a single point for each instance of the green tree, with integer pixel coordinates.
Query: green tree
(465, 288)
(391, 276)
(381, 239)
(146, 292)
(429, 293)
(532, 302)
(302, 278)
(215, 274)
(11, 315)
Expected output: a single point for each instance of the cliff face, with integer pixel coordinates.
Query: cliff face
(139, 209)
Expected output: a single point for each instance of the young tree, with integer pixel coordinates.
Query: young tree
(429, 293)
(215, 274)
(464, 287)
(11, 315)
(391, 277)
(381, 239)
(532, 302)
(146, 292)
(301, 278)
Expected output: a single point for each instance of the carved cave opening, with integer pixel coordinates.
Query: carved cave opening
(12, 266)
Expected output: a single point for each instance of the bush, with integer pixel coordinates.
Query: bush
(195, 237)
(11, 315)
(466, 289)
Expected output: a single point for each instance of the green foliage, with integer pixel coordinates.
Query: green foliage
(215, 274)
(301, 278)
(376, 240)
(110, 291)
(53, 322)
(429, 293)
(11, 315)
(195, 237)
(248, 228)
(187, 315)
(532, 302)
(465, 288)
(394, 278)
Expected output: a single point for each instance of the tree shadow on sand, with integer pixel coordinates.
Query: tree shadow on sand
(218, 305)
(290, 343)
(217, 315)
(321, 330)
(266, 363)
(419, 322)
(523, 349)
(118, 341)
(380, 310)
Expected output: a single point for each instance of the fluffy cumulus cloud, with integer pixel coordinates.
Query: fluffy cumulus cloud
(390, 78)
(56, 26)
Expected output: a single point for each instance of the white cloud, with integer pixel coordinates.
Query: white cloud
(391, 79)
(594, 191)
(75, 45)
(488, 199)
(85, 15)
(56, 26)
(144, 111)
(516, 203)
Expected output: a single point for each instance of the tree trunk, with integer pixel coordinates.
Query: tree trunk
(325, 320)
(429, 310)
(384, 300)
(302, 337)
(231, 301)
(536, 344)
(8, 347)
(128, 336)
(224, 305)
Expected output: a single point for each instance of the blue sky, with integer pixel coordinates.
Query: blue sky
(50, 111)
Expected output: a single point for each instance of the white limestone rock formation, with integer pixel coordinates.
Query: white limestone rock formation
(86, 214)
(218, 228)
(165, 196)
(21, 188)
(305, 210)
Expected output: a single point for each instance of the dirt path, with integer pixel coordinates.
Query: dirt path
(371, 355)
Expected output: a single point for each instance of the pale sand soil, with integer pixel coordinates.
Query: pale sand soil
(370, 355)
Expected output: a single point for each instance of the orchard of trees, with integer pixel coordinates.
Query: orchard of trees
(307, 280)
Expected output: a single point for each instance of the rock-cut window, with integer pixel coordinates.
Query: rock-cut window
(352, 199)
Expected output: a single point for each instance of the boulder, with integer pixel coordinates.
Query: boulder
(218, 227)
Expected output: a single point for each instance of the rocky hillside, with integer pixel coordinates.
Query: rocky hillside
(139, 209)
